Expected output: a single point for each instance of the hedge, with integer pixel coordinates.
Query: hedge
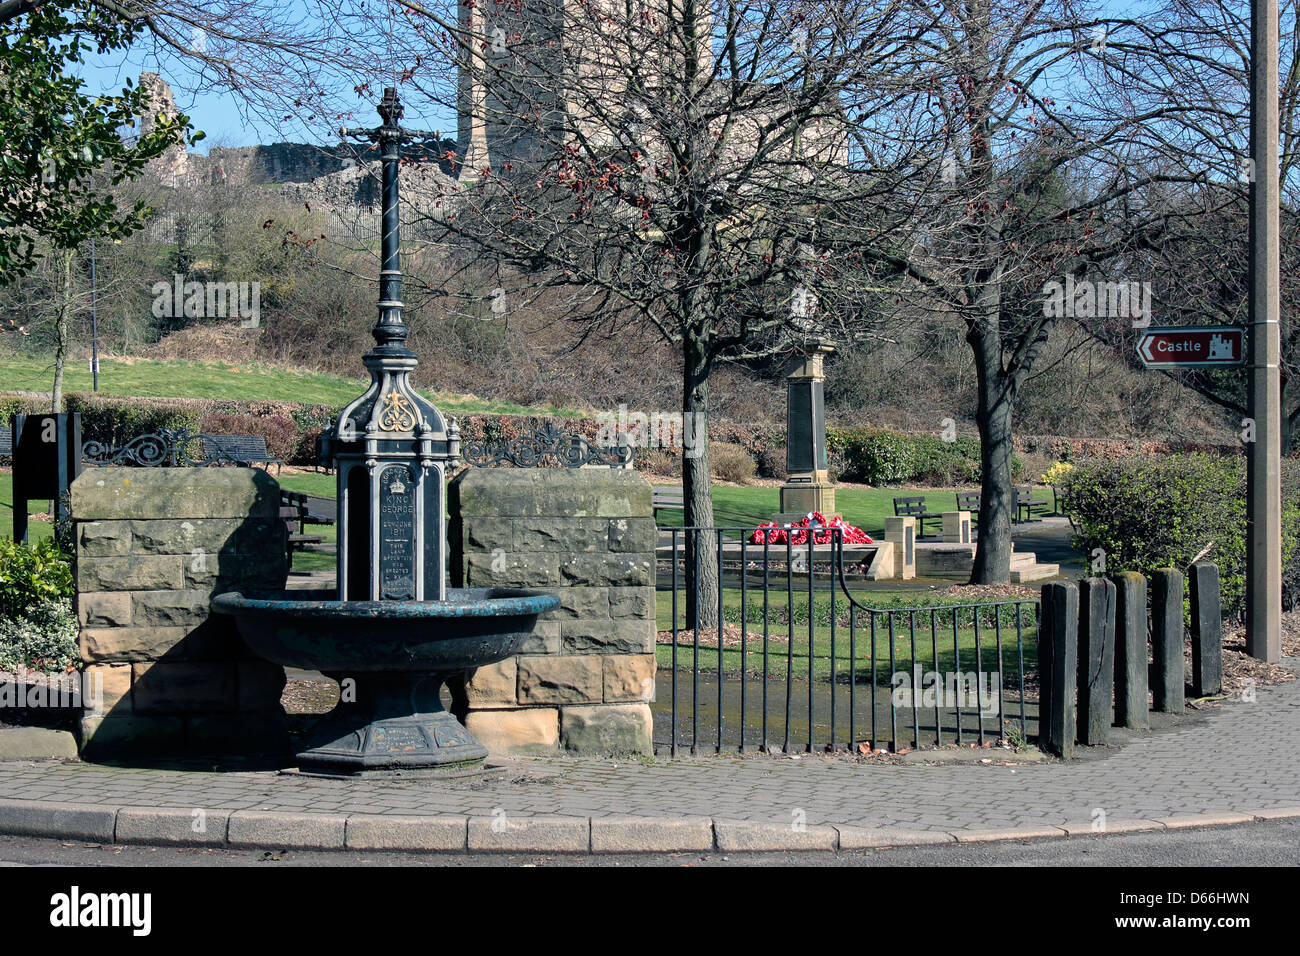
(1151, 513)
(877, 456)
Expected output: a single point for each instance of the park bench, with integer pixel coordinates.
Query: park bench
(296, 514)
(1026, 505)
(913, 506)
(239, 450)
(664, 498)
(969, 501)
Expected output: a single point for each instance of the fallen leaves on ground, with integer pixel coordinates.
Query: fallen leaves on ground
(309, 696)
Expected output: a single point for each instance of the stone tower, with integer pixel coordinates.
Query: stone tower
(551, 57)
(172, 167)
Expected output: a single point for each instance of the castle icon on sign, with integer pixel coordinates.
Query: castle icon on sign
(1220, 349)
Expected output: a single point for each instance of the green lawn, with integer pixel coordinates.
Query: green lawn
(36, 530)
(317, 484)
(147, 378)
(865, 507)
(934, 637)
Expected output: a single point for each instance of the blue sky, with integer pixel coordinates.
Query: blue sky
(224, 118)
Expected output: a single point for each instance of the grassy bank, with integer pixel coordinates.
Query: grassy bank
(147, 378)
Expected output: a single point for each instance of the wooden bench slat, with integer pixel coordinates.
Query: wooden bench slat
(913, 506)
(238, 449)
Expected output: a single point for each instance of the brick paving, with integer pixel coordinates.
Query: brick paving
(1242, 757)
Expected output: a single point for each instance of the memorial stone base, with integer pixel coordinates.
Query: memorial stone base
(800, 498)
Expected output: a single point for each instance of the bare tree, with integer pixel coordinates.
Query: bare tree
(673, 166)
(1201, 247)
(1045, 108)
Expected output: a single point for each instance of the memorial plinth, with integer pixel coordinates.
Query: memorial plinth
(808, 486)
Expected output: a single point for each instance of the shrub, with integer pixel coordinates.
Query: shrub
(1147, 514)
(879, 458)
(658, 461)
(44, 639)
(310, 421)
(1057, 474)
(730, 462)
(771, 463)
(114, 422)
(31, 574)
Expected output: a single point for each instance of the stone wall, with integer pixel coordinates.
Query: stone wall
(152, 545)
(584, 681)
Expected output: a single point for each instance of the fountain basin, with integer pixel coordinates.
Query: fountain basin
(391, 659)
(314, 630)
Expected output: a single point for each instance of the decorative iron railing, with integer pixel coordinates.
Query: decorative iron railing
(800, 662)
(164, 448)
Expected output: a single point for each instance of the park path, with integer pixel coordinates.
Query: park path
(1238, 757)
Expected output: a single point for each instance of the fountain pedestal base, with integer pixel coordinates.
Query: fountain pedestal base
(390, 723)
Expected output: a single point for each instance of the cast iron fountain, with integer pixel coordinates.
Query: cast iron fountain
(393, 633)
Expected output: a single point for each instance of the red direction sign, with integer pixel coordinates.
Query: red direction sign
(1192, 347)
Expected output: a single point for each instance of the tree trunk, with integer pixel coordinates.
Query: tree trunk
(997, 491)
(702, 576)
(61, 314)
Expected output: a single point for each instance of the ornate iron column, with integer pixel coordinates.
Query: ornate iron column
(391, 447)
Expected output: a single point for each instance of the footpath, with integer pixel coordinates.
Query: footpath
(1238, 763)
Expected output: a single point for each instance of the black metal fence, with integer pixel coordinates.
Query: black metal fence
(802, 662)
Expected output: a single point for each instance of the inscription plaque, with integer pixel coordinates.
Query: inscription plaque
(399, 739)
(397, 534)
(805, 426)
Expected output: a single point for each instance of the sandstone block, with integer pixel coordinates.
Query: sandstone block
(103, 539)
(103, 608)
(511, 569)
(607, 729)
(111, 685)
(621, 569)
(629, 677)
(170, 608)
(134, 573)
(595, 492)
(117, 734)
(557, 680)
(632, 602)
(493, 685)
(624, 636)
(165, 687)
(530, 731)
(633, 534)
(118, 493)
(118, 644)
